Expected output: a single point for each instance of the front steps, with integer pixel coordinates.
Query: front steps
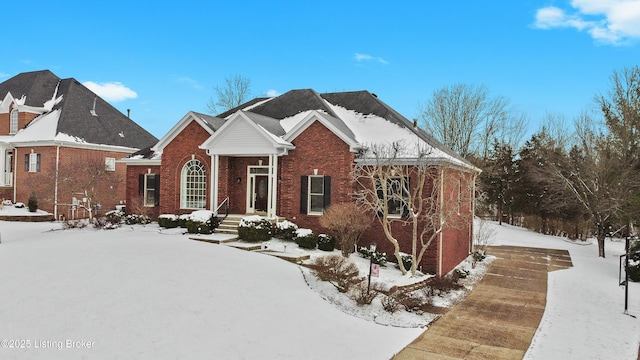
(229, 225)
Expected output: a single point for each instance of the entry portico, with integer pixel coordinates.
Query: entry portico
(249, 135)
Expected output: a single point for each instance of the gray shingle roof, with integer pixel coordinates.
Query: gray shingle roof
(108, 127)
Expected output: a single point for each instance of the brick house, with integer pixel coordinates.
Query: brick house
(47, 125)
(290, 156)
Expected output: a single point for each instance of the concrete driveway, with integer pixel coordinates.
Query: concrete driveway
(500, 316)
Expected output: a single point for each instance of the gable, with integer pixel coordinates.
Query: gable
(242, 136)
(333, 124)
(209, 123)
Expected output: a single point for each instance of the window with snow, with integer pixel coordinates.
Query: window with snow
(110, 164)
(193, 186)
(13, 127)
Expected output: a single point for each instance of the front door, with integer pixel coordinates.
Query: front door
(257, 190)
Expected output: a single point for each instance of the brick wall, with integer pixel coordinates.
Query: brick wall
(135, 201)
(24, 118)
(175, 155)
(70, 164)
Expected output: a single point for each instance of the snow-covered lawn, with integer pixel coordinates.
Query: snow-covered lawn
(137, 293)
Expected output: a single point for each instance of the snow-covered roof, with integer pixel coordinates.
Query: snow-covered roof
(68, 112)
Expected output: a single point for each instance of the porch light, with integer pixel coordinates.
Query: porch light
(239, 180)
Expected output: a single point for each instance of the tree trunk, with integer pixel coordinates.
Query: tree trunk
(600, 235)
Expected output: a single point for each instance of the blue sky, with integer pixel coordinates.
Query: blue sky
(162, 59)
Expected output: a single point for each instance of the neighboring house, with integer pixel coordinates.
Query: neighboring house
(51, 126)
(289, 156)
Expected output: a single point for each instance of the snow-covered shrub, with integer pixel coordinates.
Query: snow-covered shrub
(409, 300)
(7, 202)
(361, 293)
(306, 239)
(438, 286)
(201, 222)
(326, 242)
(168, 221)
(133, 219)
(337, 270)
(19, 205)
(33, 203)
(390, 303)
(461, 273)
(379, 258)
(254, 228)
(478, 256)
(407, 260)
(285, 230)
(76, 224)
(634, 261)
(111, 220)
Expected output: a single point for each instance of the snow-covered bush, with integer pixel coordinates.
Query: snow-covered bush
(33, 203)
(254, 228)
(168, 221)
(19, 205)
(201, 222)
(361, 293)
(326, 242)
(634, 261)
(337, 270)
(461, 273)
(133, 219)
(111, 220)
(379, 258)
(407, 260)
(306, 239)
(285, 230)
(7, 202)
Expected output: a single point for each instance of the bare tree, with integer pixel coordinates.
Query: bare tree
(348, 222)
(465, 118)
(234, 92)
(414, 192)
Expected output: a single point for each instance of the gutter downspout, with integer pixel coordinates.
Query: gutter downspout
(55, 188)
(15, 172)
(440, 252)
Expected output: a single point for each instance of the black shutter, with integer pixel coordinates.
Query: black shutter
(405, 198)
(326, 192)
(37, 162)
(26, 162)
(141, 186)
(156, 194)
(303, 194)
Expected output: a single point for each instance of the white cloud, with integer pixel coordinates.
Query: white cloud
(190, 82)
(607, 21)
(111, 91)
(271, 93)
(366, 57)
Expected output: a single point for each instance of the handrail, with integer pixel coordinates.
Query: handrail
(225, 203)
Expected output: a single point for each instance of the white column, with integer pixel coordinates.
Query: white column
(215, 165)
(3, 165)
(274, 184)
(270, 191)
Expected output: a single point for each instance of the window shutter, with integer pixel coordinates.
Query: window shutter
(304, 188)
(141, 186)
(156, 194)
(405, 197)
(327, 192)
(37, 162)
(26, 162)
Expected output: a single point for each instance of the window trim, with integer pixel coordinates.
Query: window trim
(14, 122)
(149, 201)
(191, 196)
(110, 164)
(32, 162)
(404, 203)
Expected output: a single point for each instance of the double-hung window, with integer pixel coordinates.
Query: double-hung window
(315, 194)
(32, 162)
(394, 196)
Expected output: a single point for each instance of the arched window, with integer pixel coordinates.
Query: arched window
(193, 186)
(13, 127)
